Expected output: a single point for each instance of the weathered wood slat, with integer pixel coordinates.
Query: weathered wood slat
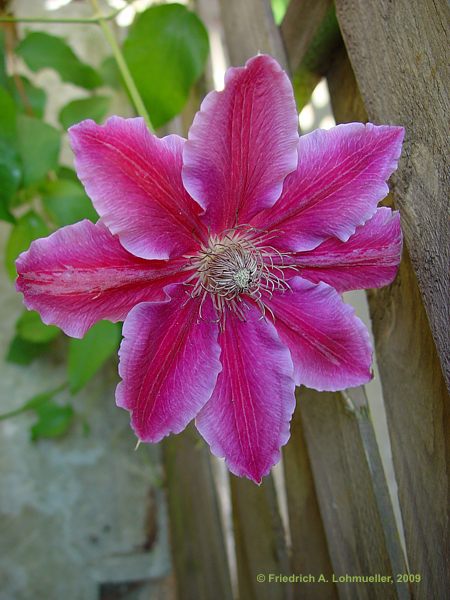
(356, 400)
(308, 541)
(197, 542)
(311, 35)
(259, 539)
(399, 53)
(348, 502)
(415, 395)
(418, 413)
(376, 494)
(249, 29)
(301, 21)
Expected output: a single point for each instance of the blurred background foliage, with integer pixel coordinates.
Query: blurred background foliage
(165, 51)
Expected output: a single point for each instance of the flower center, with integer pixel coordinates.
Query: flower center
(242, 278)
(229, 267)
(234, 268)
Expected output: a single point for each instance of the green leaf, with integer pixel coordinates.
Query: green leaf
(5, 214)
(10, 169)
(166, 51)
(24, 195)
(65, 202)
(53, 420)
(21, 352)
(27, 228)
(10, 176)
(94, 108)
(88, 355)
(36, 97)
(8, 118)
(39, 145)
(41, 50)
(110, 73)
(30, 327)
(67, 173)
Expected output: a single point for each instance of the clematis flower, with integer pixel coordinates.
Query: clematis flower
(225, 254)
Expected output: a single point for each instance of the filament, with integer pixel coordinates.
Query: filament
(236, 269)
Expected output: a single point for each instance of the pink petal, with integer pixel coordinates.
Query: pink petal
(169, 362)
(81, 274)
(134, 181)
(330, 347)
(247, 418)
(242, 144)
(340, 178)
(369, 259)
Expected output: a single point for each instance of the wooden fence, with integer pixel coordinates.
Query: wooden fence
(384, 61)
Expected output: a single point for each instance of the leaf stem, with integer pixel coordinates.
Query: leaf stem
(123, 67)
(30, 404)
(13, 413)
(73, 20)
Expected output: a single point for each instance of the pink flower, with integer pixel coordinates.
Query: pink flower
(225, 255)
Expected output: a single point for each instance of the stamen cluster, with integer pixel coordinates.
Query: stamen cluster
(235, 267)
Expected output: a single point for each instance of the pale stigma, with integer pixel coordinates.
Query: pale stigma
(242, 278)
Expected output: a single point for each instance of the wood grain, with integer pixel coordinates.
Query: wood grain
(416, 398)
(197, 542)
(417, 406)
(249, 29)
(348, 502)
(311, 35)
(399, 53)
(309, 549)
(300, 23)
(259, 539)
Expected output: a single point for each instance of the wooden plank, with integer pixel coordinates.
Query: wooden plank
(416, 399)
(348, 501)
(357, 402)
(309, 546)
(197, 542)
(249, 29)
(386, 543)
(311, 35)
(301, 21)
(417, 406)
(345, 98)
(259, 540)
(399, 53)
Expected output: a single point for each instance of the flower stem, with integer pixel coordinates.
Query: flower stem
(123, 67)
